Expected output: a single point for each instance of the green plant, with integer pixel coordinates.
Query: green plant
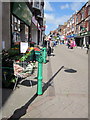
(13, 52)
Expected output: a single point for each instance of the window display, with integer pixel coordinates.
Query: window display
(15, 29)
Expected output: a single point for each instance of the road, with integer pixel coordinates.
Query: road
(65, 89)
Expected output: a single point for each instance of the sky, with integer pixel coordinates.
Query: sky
(56, 13)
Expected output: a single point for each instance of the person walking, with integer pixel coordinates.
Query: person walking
(68, 43)
(49, 50)
(51, 45)
(71, 44)
(87, 45)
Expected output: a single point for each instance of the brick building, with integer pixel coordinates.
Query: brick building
(78, 26)
(83, 25)
(64, 29)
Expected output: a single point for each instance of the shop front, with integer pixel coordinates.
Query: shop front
(39, 35)
(35, 31)
(86, 36)
(79, 40)
(71, 36)
(20, 22)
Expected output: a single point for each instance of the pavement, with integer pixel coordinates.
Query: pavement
(65, 89)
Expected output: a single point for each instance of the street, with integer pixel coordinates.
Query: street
(65, 89)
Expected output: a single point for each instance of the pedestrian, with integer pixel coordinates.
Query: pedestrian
(71, 44)
(51, 45)
(49, 51)
(74, 43)
(68, 43)
(87, 45)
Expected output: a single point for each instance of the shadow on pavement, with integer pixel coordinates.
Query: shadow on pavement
(18, 113)
(70, 71)
(45, 87)
(5, 95)
(52, 55)
(28, 84)
(47, 61)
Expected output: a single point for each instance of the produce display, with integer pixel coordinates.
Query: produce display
(23, 72)
(24, 57)
(36, 49)
(10, 69)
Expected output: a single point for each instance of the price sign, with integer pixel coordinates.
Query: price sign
(23, 47)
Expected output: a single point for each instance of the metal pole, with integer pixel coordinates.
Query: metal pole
(44, 54)
(40, 77)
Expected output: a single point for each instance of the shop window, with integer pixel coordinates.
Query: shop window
(89, 26)
(26, 33)
(36, 4)
(15, 19)
(15, 29)
(77, 19)
(89, 10)
(82, 15)
(76, 29)
(73, 20)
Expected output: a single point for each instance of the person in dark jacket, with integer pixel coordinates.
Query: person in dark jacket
(49, 51)
(68, 44)
(87, 45)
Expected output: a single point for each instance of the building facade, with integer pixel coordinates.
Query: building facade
(22, 21)
(78, 26)
(83, 26)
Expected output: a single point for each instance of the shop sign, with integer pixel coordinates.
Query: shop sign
(34, 21)
(21, 10)
(23, 47)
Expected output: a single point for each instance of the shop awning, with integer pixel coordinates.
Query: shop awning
(21, 10)
(78, 36)
(71, 36)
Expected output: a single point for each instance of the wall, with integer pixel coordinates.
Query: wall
(0, 27)
(6, 24)
(22, 33)
(34, 33)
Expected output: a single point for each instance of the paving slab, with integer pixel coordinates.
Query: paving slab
(65, 85)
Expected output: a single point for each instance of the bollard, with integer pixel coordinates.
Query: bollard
(44, 54)
(40, 77)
